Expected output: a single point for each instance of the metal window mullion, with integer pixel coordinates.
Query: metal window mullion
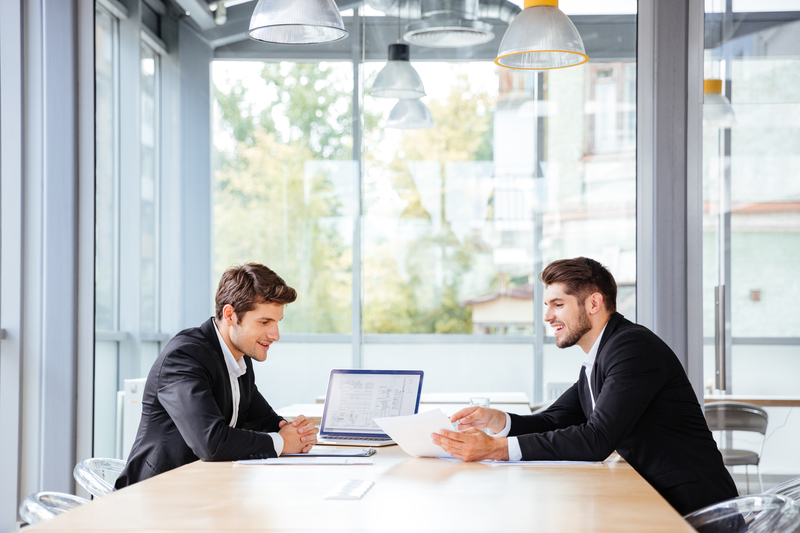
(11, 253)
(357, 277)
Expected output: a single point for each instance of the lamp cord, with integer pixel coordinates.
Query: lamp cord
(399, 14)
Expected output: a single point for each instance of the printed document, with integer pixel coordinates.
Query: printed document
(413, 433)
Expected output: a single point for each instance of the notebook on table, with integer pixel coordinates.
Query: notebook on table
(355, 397)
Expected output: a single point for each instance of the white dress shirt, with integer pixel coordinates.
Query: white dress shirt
(236, 369)
(514, 451)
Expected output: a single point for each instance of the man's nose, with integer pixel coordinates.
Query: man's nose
(273, 334)
(548, 316)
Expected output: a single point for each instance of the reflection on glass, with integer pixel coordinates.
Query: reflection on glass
(106, 230)
(283, 182)
(149, 190)
(106, 174)
(451, 213)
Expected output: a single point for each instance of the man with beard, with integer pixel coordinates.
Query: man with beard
(201, 401)
(632, 396)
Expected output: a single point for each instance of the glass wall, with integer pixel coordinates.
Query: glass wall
(751, 153)
(128, 258)
(107, 226)
(436, 235)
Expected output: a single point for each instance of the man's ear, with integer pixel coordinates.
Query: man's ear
(228, 314)
(595, 303)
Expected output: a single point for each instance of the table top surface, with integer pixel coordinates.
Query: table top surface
(409, 494)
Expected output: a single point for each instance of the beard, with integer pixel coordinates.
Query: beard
(574, 334)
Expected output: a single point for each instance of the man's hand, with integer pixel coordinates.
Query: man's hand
(472, 445)
(299, 436)
(480, 417)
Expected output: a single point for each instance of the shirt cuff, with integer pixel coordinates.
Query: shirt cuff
(514, 452)
(506, 430)
(277, 441)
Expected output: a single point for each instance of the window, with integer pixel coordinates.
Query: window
(420, 248)
(751, 219)
(107, 180)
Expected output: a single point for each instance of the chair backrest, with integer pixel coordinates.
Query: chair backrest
(98, 475)
(43, 506)
(736, 416)
(764, 513)
(790, 489)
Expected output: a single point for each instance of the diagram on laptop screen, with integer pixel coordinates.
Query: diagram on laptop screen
(355, 399)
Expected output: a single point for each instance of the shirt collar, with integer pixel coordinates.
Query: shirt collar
(590, 357)
(237, 368)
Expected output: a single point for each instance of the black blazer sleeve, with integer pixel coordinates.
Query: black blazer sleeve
(565, 412)
(631, 380)
(259, 416)
(185, 391)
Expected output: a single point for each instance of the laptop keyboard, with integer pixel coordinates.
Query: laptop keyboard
(353, 437)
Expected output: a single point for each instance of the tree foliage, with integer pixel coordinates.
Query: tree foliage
(278, 201)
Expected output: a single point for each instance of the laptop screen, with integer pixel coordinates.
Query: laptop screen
(355, 397)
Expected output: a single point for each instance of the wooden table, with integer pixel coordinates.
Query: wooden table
(764, 401)
(314, 410)
(409, 495)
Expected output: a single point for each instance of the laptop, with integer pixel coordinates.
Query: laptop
(355, 397)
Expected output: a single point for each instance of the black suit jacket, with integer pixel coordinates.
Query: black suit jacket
(645, 409)
(187, 406)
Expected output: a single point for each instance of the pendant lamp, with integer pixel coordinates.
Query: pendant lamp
(410, 115)
(296, 22)
(398, 79)
(717, 110)
(541, 37)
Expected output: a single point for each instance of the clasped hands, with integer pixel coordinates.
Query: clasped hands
(469, 443)
(299, 436)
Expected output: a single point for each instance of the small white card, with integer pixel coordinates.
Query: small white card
(349, 489)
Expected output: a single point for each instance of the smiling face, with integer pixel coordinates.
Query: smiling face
(568, 317)
(254, 332)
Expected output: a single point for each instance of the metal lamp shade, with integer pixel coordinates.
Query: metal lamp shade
(541, 37)
(410, 115)
(398, 79)
(296, 22)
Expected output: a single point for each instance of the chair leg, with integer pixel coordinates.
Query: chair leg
(747, 477)
(760, 483)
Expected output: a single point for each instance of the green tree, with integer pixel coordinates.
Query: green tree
(272, 204)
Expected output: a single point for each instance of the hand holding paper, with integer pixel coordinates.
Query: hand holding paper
(472, 445)
(413, 433)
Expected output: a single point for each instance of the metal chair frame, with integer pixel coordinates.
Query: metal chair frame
(790, 489)
(763, 513)
(42, 506)
(91, 475)
(739, 416)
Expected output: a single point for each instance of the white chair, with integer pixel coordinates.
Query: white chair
(738, 416)
(44, 506)
(765, 513)
(98, 475)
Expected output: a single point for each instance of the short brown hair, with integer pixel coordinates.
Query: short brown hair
(245, 286)
(581, 277)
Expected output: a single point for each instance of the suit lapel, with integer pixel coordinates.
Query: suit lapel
(611, 326)
(223, 384)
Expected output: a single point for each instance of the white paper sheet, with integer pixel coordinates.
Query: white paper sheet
(528, 463)
(413, 433)
(308, 461)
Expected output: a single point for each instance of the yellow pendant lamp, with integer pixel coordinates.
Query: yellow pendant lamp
(717, 110)
(541, 37)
